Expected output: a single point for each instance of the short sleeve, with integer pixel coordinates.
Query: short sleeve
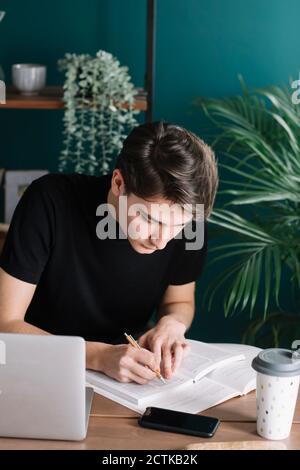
(30, 235)
(188, 264)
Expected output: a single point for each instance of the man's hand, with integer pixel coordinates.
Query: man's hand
(127, 364)
(166, 340)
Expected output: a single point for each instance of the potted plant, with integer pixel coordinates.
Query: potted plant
(99, 111)
(258, 218)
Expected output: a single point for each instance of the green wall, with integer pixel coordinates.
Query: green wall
(201, 47)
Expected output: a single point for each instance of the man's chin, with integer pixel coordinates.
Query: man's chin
(142, 249)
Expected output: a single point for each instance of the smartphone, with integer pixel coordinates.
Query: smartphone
(177, 421)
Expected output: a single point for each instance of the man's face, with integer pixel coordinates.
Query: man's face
(151, 224)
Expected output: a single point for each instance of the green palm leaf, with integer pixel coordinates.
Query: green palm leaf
(258, 137)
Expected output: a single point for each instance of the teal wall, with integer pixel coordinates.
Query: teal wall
(201, 47)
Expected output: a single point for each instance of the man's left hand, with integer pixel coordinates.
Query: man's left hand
(166, 340)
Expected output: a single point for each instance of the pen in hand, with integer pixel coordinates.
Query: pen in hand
(135, 344)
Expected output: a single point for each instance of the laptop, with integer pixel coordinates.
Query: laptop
(42, 387)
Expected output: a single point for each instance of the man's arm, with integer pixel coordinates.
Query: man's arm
(121, 362)
(178, 303)
(15, 297)
(175, 315)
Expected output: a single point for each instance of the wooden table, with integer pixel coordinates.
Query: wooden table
(113, 427)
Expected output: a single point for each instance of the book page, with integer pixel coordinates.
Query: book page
(250, 352)
(133, 392)
(240, 375)
(204, 358)
(195, 398)
(119, 400)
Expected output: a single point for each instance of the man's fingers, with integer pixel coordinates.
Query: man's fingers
(136, 378)
(143, 341)
(167, 361)
(186, 349)
(142, 371)
(146, 358)
(178, 355)
(157, 353)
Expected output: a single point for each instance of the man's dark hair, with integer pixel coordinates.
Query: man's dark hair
(163, 159)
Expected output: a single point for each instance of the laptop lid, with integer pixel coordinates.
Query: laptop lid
(42, 387)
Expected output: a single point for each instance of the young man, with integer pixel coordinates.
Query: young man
(61, 274)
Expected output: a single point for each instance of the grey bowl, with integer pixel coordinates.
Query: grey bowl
(29, 79)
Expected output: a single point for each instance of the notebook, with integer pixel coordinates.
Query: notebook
(194, 387)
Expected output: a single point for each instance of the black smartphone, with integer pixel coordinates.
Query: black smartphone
(177, 421)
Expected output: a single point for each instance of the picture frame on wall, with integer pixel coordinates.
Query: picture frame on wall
(15, 183)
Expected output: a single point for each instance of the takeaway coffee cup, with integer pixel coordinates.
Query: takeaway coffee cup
(278, 372)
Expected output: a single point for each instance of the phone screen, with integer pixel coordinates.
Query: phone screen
(177, 421)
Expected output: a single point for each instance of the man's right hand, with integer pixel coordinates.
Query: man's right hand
(124, 363)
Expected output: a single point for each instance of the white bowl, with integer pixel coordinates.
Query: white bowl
(29, 79)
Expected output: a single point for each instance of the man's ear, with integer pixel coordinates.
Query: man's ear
(117, 183)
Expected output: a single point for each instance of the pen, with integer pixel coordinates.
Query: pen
(135, 344)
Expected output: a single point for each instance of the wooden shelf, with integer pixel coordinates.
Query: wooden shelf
(51, 98)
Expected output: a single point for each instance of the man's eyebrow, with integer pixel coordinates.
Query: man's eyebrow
(158, 221)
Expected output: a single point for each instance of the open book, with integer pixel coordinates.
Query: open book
(208, 375)
(223, 383)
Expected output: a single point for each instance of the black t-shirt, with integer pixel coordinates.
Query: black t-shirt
(86, 286)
